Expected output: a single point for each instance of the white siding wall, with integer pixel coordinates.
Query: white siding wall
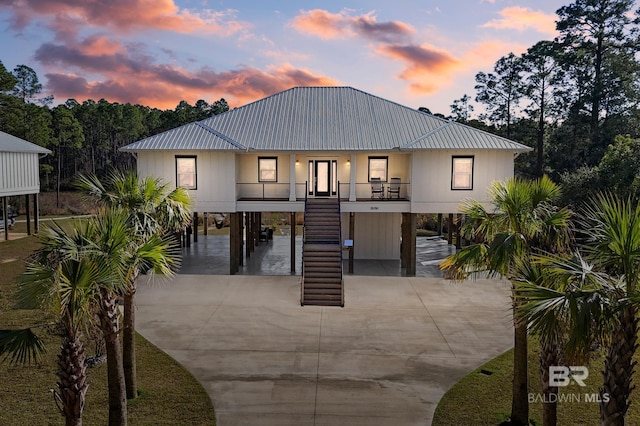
(431, 178)
(377, 235)
(19, 173)
(216, 171)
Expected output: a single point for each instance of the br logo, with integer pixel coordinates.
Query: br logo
(560, 375)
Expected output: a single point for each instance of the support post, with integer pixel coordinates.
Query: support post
(28, 213)
(36, 213)
(205, 217)
(249, 234)
(195, 227)
(352, 233)
(293, 242)
(450, 229)
(409, 243)
(240, 238)
(234, 264)
(187, 235)
(5, 218)
(458, 228)
(439, 224)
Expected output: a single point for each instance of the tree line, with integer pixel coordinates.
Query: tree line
(574, 99)
(84, 137)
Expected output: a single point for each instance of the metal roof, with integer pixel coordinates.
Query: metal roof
(324, 119)
(10, 143)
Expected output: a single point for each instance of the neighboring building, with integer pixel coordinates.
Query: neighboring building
(321, 142)
(19, 175)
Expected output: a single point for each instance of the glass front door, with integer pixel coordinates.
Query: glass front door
(322, 178)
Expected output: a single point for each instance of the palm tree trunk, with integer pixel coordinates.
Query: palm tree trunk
(129, 343)
(72, 379)
(618, 370)
(548, 357)
(520, 397)
(109, 322)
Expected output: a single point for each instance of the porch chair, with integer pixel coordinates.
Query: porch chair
(394, 188)
(377, 189)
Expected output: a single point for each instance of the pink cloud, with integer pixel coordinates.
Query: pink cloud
(121, 15)
(425, 66)
(118, 76)
(327, 25)
(522, 18)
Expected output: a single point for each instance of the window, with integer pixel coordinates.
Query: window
(378, 167)
(186, 172)
(462, 173)
(267, 169)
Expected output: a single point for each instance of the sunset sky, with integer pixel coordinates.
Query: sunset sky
(158, 52)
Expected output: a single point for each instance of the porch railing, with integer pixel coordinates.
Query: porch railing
(281, 191)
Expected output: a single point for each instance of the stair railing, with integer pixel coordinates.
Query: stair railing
(340, 244)
(304, 224)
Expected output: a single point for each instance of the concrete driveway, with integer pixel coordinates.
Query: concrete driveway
(386, 358)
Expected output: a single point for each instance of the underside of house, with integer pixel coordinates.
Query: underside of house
(359, 167)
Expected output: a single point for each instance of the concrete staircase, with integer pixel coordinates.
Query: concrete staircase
(322, 253)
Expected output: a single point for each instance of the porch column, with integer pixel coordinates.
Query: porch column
(450, 229)
(249, 243)
(458, 228)
(28, 213)
(195, 227)
(292, 177)
(293, 243)
(439, 224)
(240, 237)
(234, 262)
(205, 223)
(5, 218)
(36, 213)
(408, 249)
(352, 179)
(352, 233)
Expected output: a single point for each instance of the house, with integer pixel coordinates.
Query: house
(384, 162)
(19, 175)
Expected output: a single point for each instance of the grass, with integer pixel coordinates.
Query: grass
(169, 394)
(483, 397)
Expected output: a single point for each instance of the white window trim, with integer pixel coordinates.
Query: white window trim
(455, 173)
(194, 174)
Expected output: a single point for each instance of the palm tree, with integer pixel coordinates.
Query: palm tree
(65, 276)
(605, 298)
(522, 220)
(155, 214)
(561, 299)
(611, 230)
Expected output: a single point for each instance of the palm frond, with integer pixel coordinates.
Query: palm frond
(20, 346)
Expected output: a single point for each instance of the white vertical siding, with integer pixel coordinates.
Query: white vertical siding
(19, 173)
(377, 235)
(431, 178)
(216, 171)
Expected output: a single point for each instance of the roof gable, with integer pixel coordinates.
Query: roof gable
(324, 119)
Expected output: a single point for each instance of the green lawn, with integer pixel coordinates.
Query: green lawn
(484, 396)
(169, 394)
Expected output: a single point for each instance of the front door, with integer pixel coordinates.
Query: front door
(322, 178)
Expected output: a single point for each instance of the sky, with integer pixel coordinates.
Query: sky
(422, 53)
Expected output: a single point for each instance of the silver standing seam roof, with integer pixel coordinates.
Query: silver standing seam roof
(323, 119)
(10, 143)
